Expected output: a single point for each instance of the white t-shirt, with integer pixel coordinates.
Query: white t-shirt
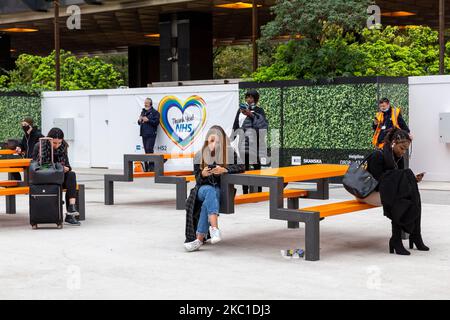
(242, 118)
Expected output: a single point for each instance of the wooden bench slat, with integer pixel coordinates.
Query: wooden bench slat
(15, 163)
(14, 191)
(5, 152)
(20, 190)
(9, 183)
(265, 196)
(333, 209)
(11, 170)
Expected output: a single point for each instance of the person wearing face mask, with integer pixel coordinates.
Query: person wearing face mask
(386, 119)
(30, 138)
(251, 119)
(397, 191)
(148, 122)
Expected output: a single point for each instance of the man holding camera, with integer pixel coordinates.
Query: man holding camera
(148, 121)
(251, 119)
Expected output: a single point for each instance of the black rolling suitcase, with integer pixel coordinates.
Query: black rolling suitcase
(46, 205)
(46, 190)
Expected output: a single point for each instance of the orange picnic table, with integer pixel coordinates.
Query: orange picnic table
(276, 179)
(4, 152)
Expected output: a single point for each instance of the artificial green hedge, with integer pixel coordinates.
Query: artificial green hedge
(13, 109)
(328, 116)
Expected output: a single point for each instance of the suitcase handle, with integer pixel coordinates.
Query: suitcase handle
(51, 149)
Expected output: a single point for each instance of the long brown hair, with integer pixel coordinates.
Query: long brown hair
(223, 148)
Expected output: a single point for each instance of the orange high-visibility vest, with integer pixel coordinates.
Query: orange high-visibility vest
(395, 112)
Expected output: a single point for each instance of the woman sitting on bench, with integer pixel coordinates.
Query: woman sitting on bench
(397, 191)
(202, 207)
(60, 147)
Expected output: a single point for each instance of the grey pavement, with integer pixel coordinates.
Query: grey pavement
(134, 250)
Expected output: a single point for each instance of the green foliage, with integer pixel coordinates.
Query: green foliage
(13, 109)
(329, 117)
(233, 62)
(325, 28)
(38, 73)
(391, 51)
(398, 95)
(413, 51)
(296, 60)
(120, 63)
(311, 18)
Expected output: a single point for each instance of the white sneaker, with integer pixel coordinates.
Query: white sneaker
(215, 235)
(193, 246)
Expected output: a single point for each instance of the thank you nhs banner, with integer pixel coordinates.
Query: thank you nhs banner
(187, 113)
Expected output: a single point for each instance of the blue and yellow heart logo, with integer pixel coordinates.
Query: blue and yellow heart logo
(182, 123)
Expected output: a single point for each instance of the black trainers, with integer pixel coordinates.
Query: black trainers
(70, 216)
(72, 220)
(72, 210)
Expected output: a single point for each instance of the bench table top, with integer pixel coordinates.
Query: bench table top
(5, 152)
(302, 173)
(15, 163)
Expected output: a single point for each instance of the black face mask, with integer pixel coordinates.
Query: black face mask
(26, 128)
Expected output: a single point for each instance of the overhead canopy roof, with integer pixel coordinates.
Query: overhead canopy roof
(117, 24)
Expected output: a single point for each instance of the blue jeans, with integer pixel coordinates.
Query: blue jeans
(210, 198)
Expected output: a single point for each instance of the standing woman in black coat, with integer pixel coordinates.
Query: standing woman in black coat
(60, 147)
(215, 159)
(395, 182)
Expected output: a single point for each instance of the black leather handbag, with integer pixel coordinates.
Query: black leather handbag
(48, 173)
(358, 181)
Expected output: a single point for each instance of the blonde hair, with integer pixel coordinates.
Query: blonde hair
(221, 154)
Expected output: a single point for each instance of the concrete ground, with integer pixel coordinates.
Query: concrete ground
(134, 250)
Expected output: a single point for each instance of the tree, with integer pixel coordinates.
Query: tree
(120, 63)
(412, 51)
(38, 73)
(310, 18)
(233, 62)
(390, 51)
(320, 33)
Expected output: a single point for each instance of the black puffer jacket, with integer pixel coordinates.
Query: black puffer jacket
(29, 141)
(252, 142)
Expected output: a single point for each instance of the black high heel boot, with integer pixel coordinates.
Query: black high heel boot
(395, 243)
(417, 240)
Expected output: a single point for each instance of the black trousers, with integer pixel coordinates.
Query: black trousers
(15, 176)
(248, 166)
(70, 184)
(149, 144)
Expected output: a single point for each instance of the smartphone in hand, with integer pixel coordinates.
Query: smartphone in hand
(420, 176)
